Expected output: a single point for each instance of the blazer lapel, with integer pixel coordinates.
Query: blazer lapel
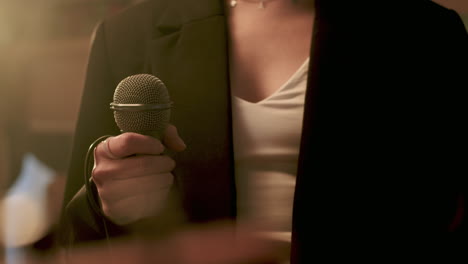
(188, 52)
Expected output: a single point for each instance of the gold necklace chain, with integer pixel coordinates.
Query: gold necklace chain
(261, 3)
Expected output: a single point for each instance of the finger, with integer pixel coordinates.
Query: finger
(128, 144)
(107, 150)
(134, 166)
(144, 165)
(120, 189)
(172, 139)
(137, 207)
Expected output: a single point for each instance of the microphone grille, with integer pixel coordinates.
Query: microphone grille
(142, 89)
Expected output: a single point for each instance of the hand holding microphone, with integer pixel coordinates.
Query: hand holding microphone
(132, 175)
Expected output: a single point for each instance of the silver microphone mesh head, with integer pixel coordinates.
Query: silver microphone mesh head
(143, 90)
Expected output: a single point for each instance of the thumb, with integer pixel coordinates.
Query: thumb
(172, 139)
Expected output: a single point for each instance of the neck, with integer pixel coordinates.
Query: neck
(278, 7)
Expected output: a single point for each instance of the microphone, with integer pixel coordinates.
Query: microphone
(142, 105)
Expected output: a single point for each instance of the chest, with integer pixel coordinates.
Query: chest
(264, 52)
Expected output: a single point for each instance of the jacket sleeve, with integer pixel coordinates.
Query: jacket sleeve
(79, 222)
(82, 223)
(457, 39)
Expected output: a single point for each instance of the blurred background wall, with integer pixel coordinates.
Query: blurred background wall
(44, 46)
(43, 50)
(461, 6)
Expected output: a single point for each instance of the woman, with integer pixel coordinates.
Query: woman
(375, 150)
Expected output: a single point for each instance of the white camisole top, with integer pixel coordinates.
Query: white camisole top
(267, 138)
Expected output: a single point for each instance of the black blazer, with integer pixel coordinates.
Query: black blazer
(383, 134)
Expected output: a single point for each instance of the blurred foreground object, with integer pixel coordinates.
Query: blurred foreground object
(26, 211)
(212, 244)
(208, 244)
